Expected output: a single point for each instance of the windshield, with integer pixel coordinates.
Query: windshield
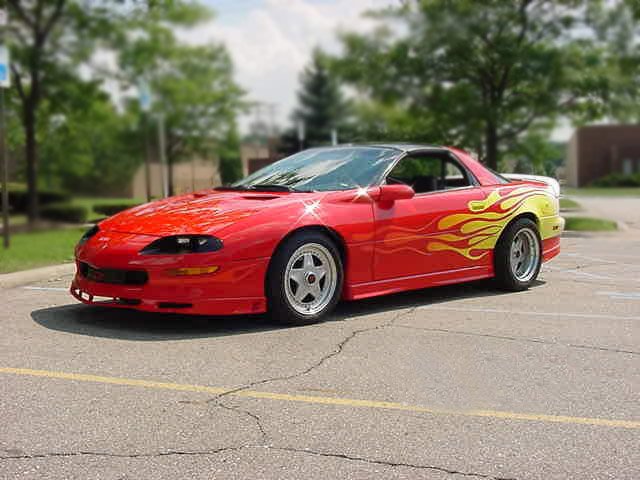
(324, 169)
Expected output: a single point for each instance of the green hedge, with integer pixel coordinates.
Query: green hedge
(109, 209)
(65, 212)
(589, 224)
(618, 180)
(19, 200)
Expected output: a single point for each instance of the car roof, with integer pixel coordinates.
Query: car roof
(402, 147)
(406, 147)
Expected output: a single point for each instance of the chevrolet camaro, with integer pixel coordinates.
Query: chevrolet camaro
(325, 224)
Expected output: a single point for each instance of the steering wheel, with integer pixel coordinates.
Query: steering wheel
(395, 181)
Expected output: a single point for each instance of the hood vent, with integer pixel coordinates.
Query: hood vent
(260, 197)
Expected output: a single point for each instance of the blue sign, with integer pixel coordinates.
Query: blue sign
(5, 77)
(144, 95)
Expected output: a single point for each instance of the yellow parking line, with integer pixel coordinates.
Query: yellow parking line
(345, 402)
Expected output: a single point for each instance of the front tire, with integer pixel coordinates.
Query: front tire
(305, 279)
(518, 255)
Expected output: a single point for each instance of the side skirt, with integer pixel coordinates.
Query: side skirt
(415, 282)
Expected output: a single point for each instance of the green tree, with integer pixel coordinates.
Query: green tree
(88, 146)
(33, 34)
(229, 152)
(480, 74)
(192, 86)
(616, 29)
(48, 39)
(51, 39)
(321, 106)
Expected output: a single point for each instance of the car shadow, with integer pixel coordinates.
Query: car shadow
(121, 324)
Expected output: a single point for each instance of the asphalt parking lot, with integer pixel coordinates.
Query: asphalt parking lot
(454, 382)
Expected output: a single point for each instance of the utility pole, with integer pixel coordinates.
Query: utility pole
(5, 83)
(162, 147)
(144, 97)
(271, 109)
(272, 130)
(301, 134)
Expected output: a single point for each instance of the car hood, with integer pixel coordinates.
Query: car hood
(204, 212)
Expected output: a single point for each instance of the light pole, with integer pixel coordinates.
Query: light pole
(144, 97)
(162, 148)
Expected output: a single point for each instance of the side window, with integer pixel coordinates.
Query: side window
(428, 174)
(454, 176)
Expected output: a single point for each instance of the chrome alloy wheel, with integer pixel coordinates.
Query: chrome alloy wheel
(525, 255)
(310, 279)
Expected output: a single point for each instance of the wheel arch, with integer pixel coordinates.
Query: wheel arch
(501, 254)
(337, 239)
(530, 215)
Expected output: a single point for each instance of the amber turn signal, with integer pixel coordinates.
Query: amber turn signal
(181, 272)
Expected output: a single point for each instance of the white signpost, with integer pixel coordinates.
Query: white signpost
(5, 77)
(5, 82)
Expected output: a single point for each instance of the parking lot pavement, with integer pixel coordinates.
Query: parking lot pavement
(454, 382)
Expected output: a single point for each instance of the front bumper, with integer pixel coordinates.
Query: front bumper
(217, 306)
(237, 287)
(199, 295)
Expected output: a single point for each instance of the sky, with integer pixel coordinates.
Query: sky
(271, 41)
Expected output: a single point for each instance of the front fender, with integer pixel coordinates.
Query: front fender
(349, 214)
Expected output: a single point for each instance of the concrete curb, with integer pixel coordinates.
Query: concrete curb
(16, 279)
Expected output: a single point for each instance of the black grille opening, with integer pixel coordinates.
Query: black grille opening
(129, 301)
(174, 305)
(113, 276)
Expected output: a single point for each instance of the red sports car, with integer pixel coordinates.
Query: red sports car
(346, 222)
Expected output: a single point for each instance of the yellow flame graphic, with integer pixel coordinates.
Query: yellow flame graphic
(476, 233)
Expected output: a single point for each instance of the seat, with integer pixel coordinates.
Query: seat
(425, 183)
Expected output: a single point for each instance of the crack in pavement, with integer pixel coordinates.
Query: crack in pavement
(611, 283)
(390, 463)
(578, 271)
(519, 339)
(336, 351)
(218, 402)
(217, 451)
(122, 455)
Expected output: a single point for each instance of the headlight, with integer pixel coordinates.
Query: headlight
(88, 234)
(180, 244)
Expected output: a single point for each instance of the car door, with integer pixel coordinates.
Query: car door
(409, 237)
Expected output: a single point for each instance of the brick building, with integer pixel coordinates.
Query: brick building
(598, 150)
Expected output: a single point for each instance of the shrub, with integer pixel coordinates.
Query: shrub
(618, 180)
(65, 212)
(19, 200)
(109, 209)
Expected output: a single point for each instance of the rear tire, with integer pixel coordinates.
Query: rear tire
(305, 279)
(518, 256)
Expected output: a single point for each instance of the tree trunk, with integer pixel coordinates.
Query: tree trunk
(491, 145)
(31, 154)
